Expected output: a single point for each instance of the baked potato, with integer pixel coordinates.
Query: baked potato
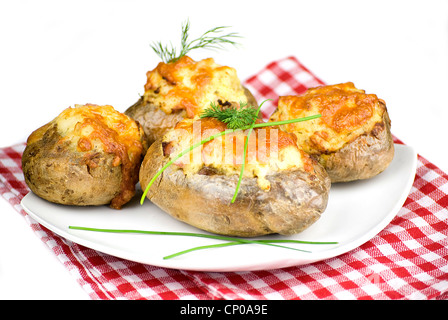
(283, 190)
(87, 155)
(183, 89)
(352, 140)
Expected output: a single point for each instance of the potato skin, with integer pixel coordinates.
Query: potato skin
(363, 158)
(157, 123)
(59, 175)
(295, 201)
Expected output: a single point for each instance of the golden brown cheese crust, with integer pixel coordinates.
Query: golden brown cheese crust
(347, 112)
(352, 138)
(184, 89)
(89, 136)
(191, 86)
(269, 150)
(88, 127)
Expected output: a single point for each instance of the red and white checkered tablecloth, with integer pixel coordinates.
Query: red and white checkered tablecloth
(406, 260)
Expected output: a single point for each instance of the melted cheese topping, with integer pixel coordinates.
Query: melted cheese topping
(100, 128)
(91, 129)
(269, 150)
(347, 113)
(192, 86)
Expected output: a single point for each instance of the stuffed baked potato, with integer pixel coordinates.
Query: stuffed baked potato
(352, 139)
(283, 189)
(183, 89)
(87, 155)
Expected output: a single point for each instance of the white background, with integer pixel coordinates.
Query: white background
(54, 54)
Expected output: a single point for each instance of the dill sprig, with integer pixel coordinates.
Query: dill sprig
(234, 117)
(211, 39)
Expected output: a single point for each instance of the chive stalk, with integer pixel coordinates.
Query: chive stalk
(230, 240)
(244, 154)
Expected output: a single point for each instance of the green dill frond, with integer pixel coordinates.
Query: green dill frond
(211, 39)
(234, 117)
(164, 52)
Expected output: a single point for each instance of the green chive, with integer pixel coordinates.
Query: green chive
(230, 240)
(244, 154)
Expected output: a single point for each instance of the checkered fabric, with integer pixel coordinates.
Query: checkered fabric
(406, 260)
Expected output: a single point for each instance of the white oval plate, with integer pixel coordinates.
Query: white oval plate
(356, 212)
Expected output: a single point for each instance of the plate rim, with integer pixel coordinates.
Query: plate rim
(332, 252)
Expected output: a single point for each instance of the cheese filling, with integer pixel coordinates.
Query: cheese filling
(269, 150)
(99, 128)
(347, 113)
(192, 86)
